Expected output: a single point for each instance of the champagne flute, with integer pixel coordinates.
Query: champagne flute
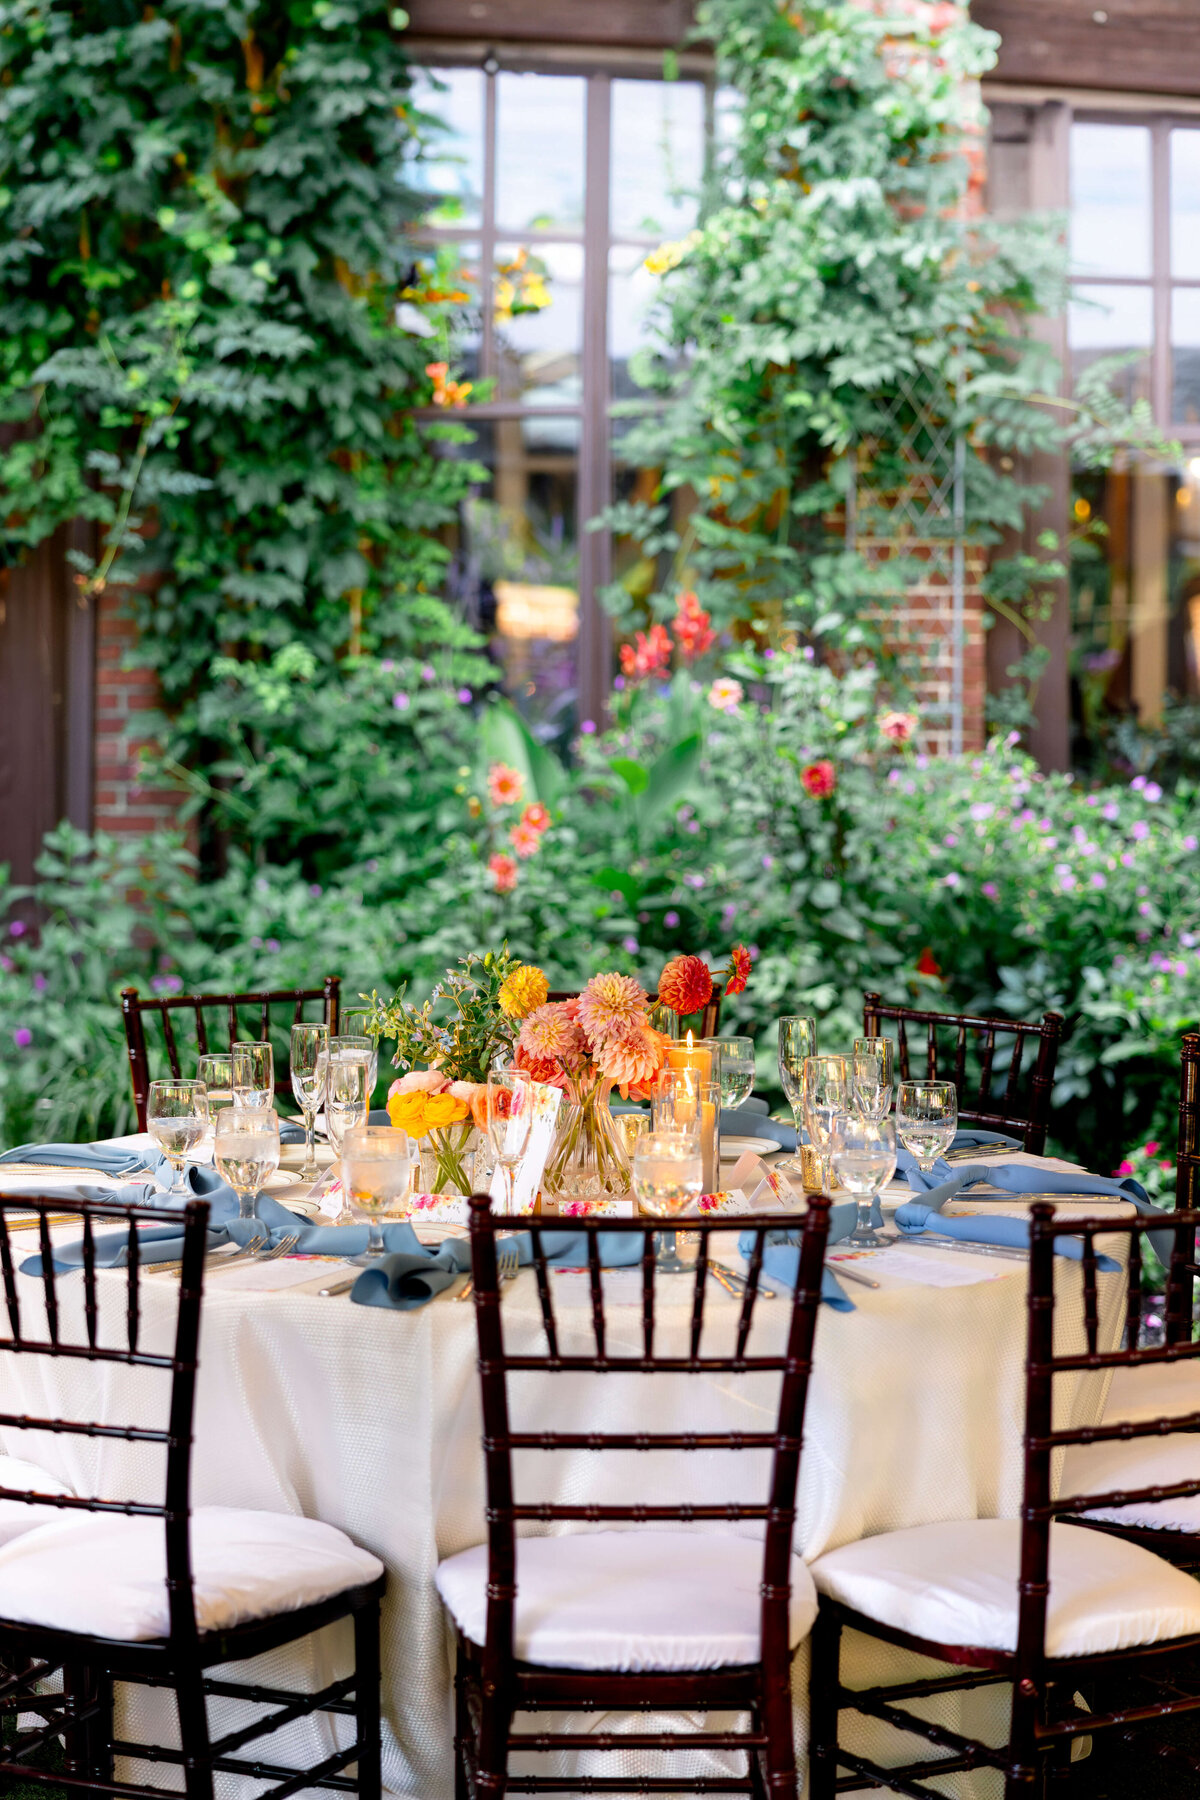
(827, 1093)
(376, 1164)
(736, 1067)
(215, 1069)
(883, 1048)
(510, 1103)
(177, 1118)
(246, 1151)
(864, 1161)
(870, 1092)
(309, 1063)
(347, 1048)
(359, 1022)
(345, 1097)
(253, 1075)
(797, 1042)
(926, 1119)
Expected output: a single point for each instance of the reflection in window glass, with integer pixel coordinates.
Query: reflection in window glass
(452, 166)
(657, 157)
(539, 151)
(1185, 204)
(516, 563)
(1110, 199)
(1107, 321)
(632, 291)
(538, 295)
(447, 272)
(1185, 356)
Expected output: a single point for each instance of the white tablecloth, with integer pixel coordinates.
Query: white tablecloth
(369, 1419)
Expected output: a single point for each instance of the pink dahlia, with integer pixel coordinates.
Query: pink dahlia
(632, 1057)
(526, 840)
(506, 786)
(611, 1004)
(549, 1034)
(503, 870)
(898, 726)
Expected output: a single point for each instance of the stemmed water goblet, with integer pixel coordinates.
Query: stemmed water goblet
(736, 1069)
(345, 1097)
(667, 1180)
(309, 1067)
(863, 1158)
(177, 1118)
(376, 1165)
(510, 1104)
(797, 1043)
(246, 1152)
(926, 1119)
(253, 1075)
(827, 1095)
(358, 1022)
(357, 1048)
(872, 1077)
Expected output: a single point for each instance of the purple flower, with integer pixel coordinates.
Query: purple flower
(754, 950)
(1152, 792)
(922, 761)
(692, 826)
(428, 672)
(768, 862)
(1189, 843)
(769, 654)
(670, 920)
(809, 653)
(39, 984)
(694, 881)
(1143, 891)
(630, 944)
(990, 889)
(1093, 800)
(1181, 968)
(1127, 859)
(587, 726)
(22, 1037)
(728, 913)
(1140, 830)
(893, 776)
(1099, 881)
(387, 665)
(7, 964)
(400, 702)
(950, 840)
(1138, 783)
(315, 889)
(982, 809)
(1045, 825)
(1143, 937)
(619, 683)
(372, 865)
(272, 943)
(1112, 811)
(17, 928)
(464, 696)
(643, 918)
(952, 880)
(256, 943)
(1144, 908)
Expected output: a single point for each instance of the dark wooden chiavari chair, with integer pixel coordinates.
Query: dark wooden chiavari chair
(135, 1006)
(484, 1591)
(1007, 1111)
(710, 1018)
(80, 1601)
(1048, 1607)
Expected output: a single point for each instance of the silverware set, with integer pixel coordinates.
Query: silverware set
(256, 1250)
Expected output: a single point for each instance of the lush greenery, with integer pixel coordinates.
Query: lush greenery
(202, 253)
(703, 816)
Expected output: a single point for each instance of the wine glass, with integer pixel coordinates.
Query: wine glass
(355, 1027)
(253, 1075)
(827, 1095)
(345, 1096)
(177, 1118)
(215, 1069)
(347, 1048)
(877, 1105)
(864, 1160)
(246, 1151)
(510, 1103)
(309, 1063)
(376, 1163)
(797, 1042)
(737, 1069)
(667, 1174)
(926, 1119)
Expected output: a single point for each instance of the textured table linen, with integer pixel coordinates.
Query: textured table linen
(370, 1420)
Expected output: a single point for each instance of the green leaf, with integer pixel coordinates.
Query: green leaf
(634, 774)
(672, 777)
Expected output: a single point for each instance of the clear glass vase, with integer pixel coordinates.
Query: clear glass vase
(450, 1158)
(588, 1161)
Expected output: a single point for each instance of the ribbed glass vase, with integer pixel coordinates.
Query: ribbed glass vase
(587, 1161)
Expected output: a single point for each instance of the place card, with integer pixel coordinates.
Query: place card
(904, 1266)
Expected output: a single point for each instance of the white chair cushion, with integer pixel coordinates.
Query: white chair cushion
(17, 1516)
(957, 1584)
(105, 1574)
(629, 1600)
(1155, 1391)
(1142, 1462)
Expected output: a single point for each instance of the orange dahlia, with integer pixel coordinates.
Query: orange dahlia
(685, 985)
(612, 1004)
(739, 969)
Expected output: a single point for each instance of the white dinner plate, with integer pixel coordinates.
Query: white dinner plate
(733, 1147)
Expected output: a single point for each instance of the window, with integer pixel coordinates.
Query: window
(549, 189)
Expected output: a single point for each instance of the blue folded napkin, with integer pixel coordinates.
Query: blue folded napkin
(944, 1182)
(967, 1137)
(781, 1254)
(410, 1277)
(113, 1160)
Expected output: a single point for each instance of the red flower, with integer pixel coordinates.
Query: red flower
(504, 872)
(928, 964)
(653, 652)
(818, 779)
(536, 816)
(693, 627)
(685, 985)
(739, 969)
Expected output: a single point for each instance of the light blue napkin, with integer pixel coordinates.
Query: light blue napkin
(411, 1276)
(781, 1254)
(113, 1160)
(944, 1183)
(967, 1137)
(916, 1217)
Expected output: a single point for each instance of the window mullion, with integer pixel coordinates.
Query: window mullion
(1160, 252)
(487, 245)
(595, 643)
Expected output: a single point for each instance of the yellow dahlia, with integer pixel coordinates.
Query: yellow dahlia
(525, 988)
(612, 1004)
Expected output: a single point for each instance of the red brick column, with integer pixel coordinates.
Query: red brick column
(127, 702)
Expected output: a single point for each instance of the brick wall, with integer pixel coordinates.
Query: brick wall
(126, 702)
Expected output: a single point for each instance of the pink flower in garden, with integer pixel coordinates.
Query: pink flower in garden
(613, 1003)
(818, 779)
(726, 694)
(990, 889)
(505, 786)
(1123, 1168)
(1152, 1147)
(525, 840)
(504, 872)
(536, 817)
(551, 1035)
(898, 726)
(22, 1037)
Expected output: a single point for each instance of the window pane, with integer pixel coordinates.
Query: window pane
(539, 151)
(1185, 356)
(452, 167)
(1185, 204)
(632, 290)
(657, 157)
(1110, 199)
(1105, 321)
(446, 271)
(538, 298)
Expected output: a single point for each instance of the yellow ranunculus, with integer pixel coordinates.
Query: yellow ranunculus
(525, 989)
(407, 1113)
(444, 1109)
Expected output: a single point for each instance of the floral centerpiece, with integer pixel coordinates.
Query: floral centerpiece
(445, 1048)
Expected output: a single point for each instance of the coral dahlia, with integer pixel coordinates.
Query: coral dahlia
(504, 872)
(685, 985)
(506, 786)
(739, 969)
(612, 1003)
(632, 1057)
(550, 1035)
(818, 779)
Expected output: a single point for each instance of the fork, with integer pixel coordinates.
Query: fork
(284, 1247)
(735, 1282)
(214, 1258)
(508, 1266)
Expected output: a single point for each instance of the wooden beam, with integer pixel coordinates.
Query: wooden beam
(641, 24)
(1145, 45)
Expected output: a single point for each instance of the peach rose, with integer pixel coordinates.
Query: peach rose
(419, 1081)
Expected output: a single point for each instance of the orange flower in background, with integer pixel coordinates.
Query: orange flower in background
(525, 840)
(505, 786)
(928, 963)
(818, 779)
(445, 391)
(651, 654)
(536, 816)
(504, 872)
(693, 627)
(685, 985)
(739, 969)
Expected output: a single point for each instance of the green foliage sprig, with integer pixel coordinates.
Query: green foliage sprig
(471, 1027)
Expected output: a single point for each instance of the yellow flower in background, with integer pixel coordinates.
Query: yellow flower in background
(525, 989)
(506, 293)
(418, 1112)
(670, 255)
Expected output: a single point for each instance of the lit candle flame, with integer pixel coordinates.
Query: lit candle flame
(691, 1046)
